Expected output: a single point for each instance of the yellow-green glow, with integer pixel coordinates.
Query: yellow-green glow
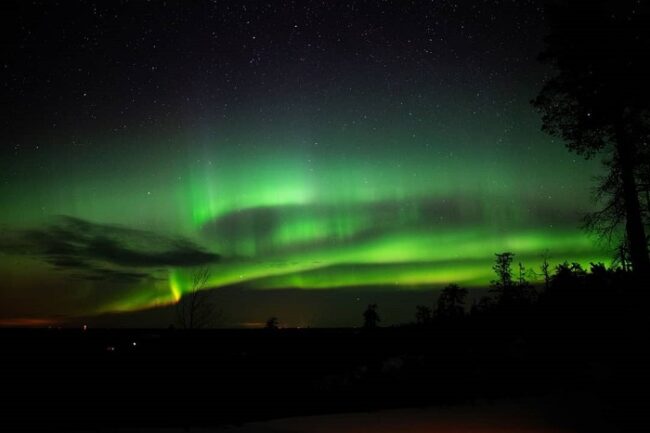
(175, 285)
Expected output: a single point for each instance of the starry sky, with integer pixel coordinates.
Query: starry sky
(320, 154)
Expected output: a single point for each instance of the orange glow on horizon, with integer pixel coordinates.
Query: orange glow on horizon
(29, 322)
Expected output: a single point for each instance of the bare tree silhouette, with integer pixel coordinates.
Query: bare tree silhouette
(195, 310)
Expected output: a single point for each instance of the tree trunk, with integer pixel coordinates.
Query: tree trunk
(633, 220)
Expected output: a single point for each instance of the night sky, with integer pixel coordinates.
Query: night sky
(322, 154)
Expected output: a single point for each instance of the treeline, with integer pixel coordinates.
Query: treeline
(564, 298)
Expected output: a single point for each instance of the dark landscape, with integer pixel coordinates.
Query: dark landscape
(582, 363)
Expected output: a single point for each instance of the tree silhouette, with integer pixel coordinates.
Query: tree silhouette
(525, 291)
(272, 323)
(503, 268)
(451, 302)
(622, 256)
(508, 292)
(194, 310)
(522, 274)
(371, 317)
(545, 270)
(598, 102)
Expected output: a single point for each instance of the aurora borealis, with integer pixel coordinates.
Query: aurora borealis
(286, 145)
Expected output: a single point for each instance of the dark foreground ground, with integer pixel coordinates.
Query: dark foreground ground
(503, 416)
(97, 380)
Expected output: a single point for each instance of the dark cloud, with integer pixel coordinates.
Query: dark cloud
(103, 251)
(370, 220)
(111, 275)
(179, 254)
(263, 223)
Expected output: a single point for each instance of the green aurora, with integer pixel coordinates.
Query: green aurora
(353, 149)
(313, 220)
